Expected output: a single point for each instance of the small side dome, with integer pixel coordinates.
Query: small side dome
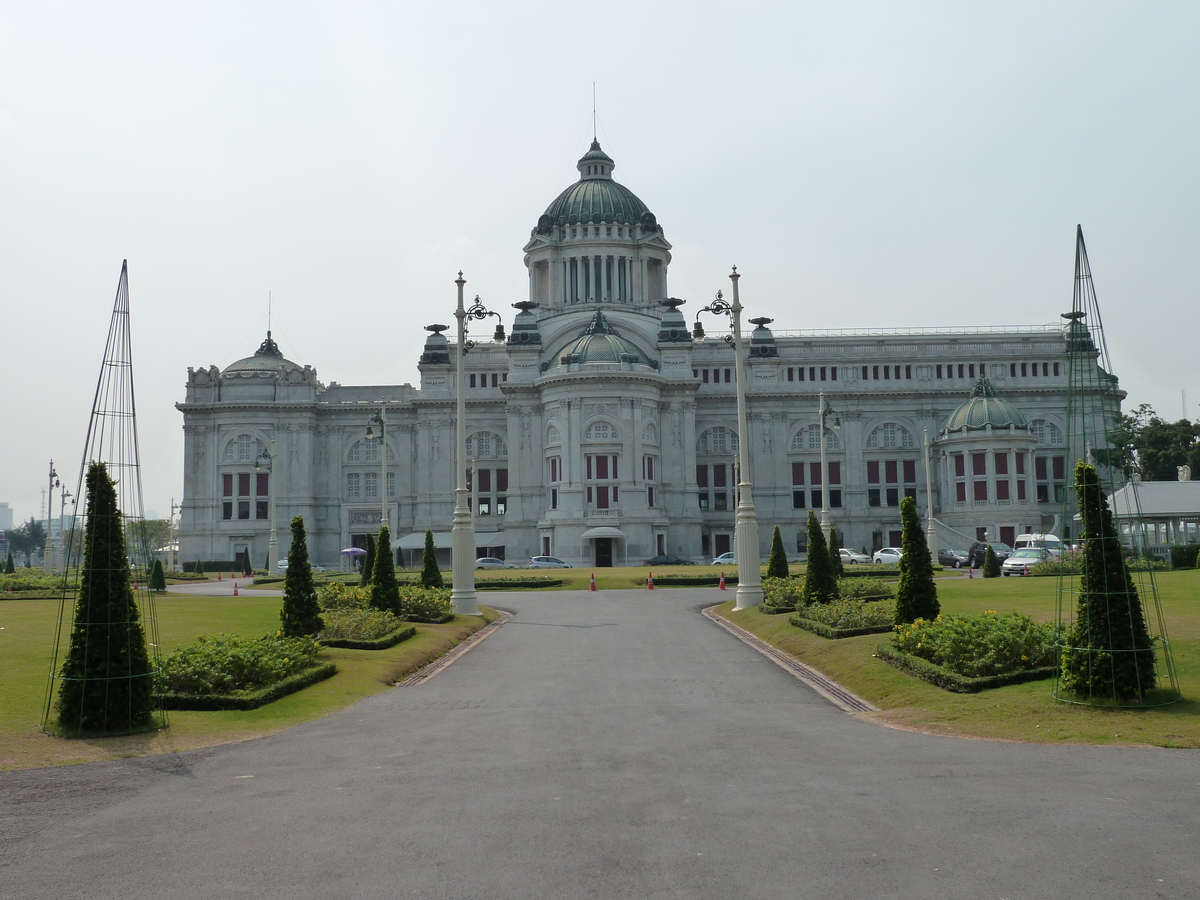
(525, 327)
(600, 343)
(762, 341)
(437, 347)
(985, 408)
(673, 328)
(267, 358)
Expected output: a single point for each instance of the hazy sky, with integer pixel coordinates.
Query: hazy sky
(863, 164)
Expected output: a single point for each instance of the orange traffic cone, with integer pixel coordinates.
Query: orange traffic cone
(721, 586)
(650, 581)
(593, 585)
(235, 592)
(219, 578)
(970, 571)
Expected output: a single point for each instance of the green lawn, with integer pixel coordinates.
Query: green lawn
(1024, 712)
(26, 635)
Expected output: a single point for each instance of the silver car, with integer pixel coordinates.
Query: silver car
(888, 556)
(492, 562)
(547, 562)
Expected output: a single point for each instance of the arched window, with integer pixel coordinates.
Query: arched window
(1047, 433)
(600, 431)
(649, 434)
(244, 448)
(553, 435)
(717, 440)
(808, 439)
(486, 445)
(367, 451)
(890, 436)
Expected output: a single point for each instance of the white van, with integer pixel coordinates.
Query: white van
(1038, 542)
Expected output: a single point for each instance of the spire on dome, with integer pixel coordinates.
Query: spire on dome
(595, 163)
(268, 347)
(983, 388)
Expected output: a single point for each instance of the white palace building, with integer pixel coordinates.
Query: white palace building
(602, 430)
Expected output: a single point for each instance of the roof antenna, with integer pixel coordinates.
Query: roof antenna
(268, 313)
(593, 110)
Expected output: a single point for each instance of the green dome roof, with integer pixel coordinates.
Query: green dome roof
(595, 197)
(600, 343)
(984, 408)
(267, 358)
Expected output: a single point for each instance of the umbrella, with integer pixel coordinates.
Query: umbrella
(354, 551)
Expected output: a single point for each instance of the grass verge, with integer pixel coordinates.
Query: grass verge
(26, 636)
(1018, 712)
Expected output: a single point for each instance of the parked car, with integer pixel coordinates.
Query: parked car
(665, 559)
(546, 562)
(888, 556)
(1021, 561)
(953, 559)
(978, 550)
(1038, 541)
(852, 557)
(725, 559)
(282, 565)
(491, 562)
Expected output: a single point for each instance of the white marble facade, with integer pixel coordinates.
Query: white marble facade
(603, 432)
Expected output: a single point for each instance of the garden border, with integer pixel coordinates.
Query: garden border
(835, 634)
(245, 700)
(939, 676)
(391, 639)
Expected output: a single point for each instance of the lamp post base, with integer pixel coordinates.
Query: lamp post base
(749, 589)
(462, 594)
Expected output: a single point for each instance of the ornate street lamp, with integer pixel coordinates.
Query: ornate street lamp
(825, 412)
(48, 547)
(462, 594)
(266, 461)
(749, 589)
(63, 496)
(380, 419)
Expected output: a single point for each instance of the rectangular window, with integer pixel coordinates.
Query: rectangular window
(703, 500)
(243, 484)
(978, 464)
(1001, 462)
(704, 375)
(371, 486)
(702, 476)
(719, 476)
(502, 480)
(555, 474)
(835, 473)
(243, 509)
(812, 373)
(262, 480)
(472, 382)
(614, 467)
(960, 491)
(960, 465)
(822, 373)
(1012, 370)
(872, 496)
(589, 495)
(648, 468)
(495, 380)
(554, 498)
(588, 461)
(874, 373)
(1039, 467)
(1020, 488)
(1056, 370)
(1020, 463)
(960, 371)
(817, 500)
(791, 373)
(939, 371)
(660, 543)
(801, 541)
(864, 373)
(1043, 493)
(485, 481)
(391, 484)
(485, 506)
(227, 509)
(814, 473)
(501, 505)
(728, 372)
(981, 493)
(891, 473)
(1059, 468)
(910, 471)
(650, 497)
(833, 373)
(797, 499)
(887, 373)
(873, 472)
(546, 545)
(797, 474)
(719, 500)
(353, 485)
(1023, 368)
(835, 499)
(908, 372)
(893, 496)
(910, 492)
(227, 484)
(1002, 489)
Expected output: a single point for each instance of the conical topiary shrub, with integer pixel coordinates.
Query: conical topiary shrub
(991, 565)
(385, 592)
(247, 569)
(1107, 654)
(106, 678)
(777, 564)
(820, 585)
(431, 575)
(916, 595)
(301, 613)
(9, 568)
(368, 563)
(835, 553)
(158, 578)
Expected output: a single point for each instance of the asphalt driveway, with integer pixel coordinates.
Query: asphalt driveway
(609, 745)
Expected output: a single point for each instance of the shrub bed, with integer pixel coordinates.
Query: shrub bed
(524, 582)
(865, 588)
(978, 646)
(356, 624)
(691, 580)
(420, 604)
(845, 618)
(781, 595)
(942, 677)
(33, 580)
(228, 671)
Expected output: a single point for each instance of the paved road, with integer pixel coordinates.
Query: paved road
(608, 745)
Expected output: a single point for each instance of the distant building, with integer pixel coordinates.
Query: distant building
(6, 517)
(601, 430)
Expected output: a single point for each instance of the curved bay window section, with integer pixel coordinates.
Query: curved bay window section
(804, 455)
(362, 471)
(716, 469)
(601, 467)
(891, 463)
(487, 473)
(244, 491)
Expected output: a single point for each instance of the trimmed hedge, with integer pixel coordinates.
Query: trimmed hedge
(691, 580)
(524, 582)
(951, 681)
(826, 631)
(388, 640)
(1184, 557)
(243, 700)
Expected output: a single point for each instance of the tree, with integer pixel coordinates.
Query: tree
(158, 578)
(820, 584)
(106, 677)
(1142, 442)
(145, 536)
(301, 613)
(27, 538)
(991, 565)
(916, 595)
(1107, 653)
(9, 568)
(385, 592)
(777, 564)
(247, 569)
(835, 553)
(431, 575)
(368, 563)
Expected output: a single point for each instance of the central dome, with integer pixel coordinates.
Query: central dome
(984, 408)
(596, 198)
(600, 343)
(267, 358)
